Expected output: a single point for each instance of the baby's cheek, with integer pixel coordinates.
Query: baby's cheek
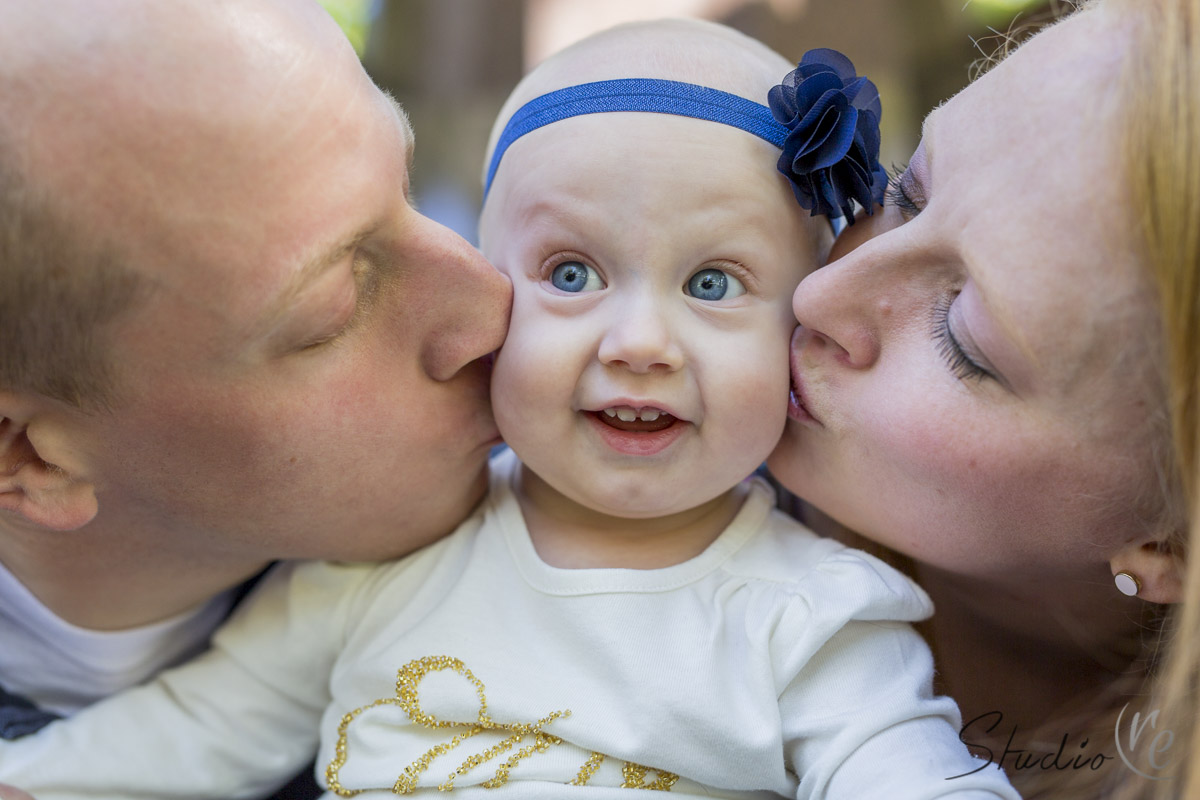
(515, 383)
(756, 396)
(534, 384)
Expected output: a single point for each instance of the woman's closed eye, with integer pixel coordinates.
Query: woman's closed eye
(961, 364)
(900, 193)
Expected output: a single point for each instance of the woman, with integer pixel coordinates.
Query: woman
(997, 379)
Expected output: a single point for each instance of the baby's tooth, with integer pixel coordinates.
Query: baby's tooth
(650, 414)
(610, 412)
(626, 414)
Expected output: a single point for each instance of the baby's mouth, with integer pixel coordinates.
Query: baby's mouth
(631, 420)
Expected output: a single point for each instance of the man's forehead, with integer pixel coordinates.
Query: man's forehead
(327, 253)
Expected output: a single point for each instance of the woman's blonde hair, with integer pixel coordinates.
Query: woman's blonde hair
(1160, 121)
(1161, 104)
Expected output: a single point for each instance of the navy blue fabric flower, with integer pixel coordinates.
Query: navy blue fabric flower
(831, 154)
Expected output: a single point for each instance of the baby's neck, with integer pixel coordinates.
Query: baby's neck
(568, 535)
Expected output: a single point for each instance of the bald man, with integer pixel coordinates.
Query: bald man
(226, 336)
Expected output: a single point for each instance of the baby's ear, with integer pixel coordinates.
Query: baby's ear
(1155, 570)
(32, 483)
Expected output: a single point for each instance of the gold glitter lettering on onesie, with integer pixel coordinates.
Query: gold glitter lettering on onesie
(588, 769)
(635, 778)
(407, 698)
(634, 774)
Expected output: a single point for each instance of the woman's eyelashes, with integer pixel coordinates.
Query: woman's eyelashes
(961, 364)
(904, 192)
(899, 193)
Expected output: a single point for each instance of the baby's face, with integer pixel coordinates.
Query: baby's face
(653, 260)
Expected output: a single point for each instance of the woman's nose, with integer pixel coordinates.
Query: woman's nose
(846, 305)
(640, 339)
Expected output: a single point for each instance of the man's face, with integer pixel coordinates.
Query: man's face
(301, 379)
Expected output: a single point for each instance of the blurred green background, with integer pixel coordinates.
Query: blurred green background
(453, 62)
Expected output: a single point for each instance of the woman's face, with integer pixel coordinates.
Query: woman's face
(977, 368)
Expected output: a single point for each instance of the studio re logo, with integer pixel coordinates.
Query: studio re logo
(1143, 745)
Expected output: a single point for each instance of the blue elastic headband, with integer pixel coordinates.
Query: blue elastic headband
(638, 94)
(823, 116)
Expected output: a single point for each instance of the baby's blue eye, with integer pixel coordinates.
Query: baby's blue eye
(714, 284)
(573, 276)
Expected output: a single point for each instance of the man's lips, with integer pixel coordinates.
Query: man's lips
(489, 363)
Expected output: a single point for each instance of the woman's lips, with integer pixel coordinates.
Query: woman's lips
(798, 408)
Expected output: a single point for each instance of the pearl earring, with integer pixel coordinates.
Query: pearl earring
(1127, 583)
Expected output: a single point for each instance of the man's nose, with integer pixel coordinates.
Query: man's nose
(472, 304)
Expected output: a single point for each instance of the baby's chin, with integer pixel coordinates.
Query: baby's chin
(619, 499)
(646, 503)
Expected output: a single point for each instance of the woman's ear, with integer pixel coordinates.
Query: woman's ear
(33, 485)
(1157, 569)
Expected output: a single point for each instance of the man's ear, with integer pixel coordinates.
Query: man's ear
(1158, 570)
(33, 485)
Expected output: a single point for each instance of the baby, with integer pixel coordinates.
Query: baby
(626, 609)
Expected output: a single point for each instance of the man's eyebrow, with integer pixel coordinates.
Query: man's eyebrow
(302, 277)
(325, 257)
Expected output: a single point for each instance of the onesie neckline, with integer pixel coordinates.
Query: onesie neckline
(548, 579)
